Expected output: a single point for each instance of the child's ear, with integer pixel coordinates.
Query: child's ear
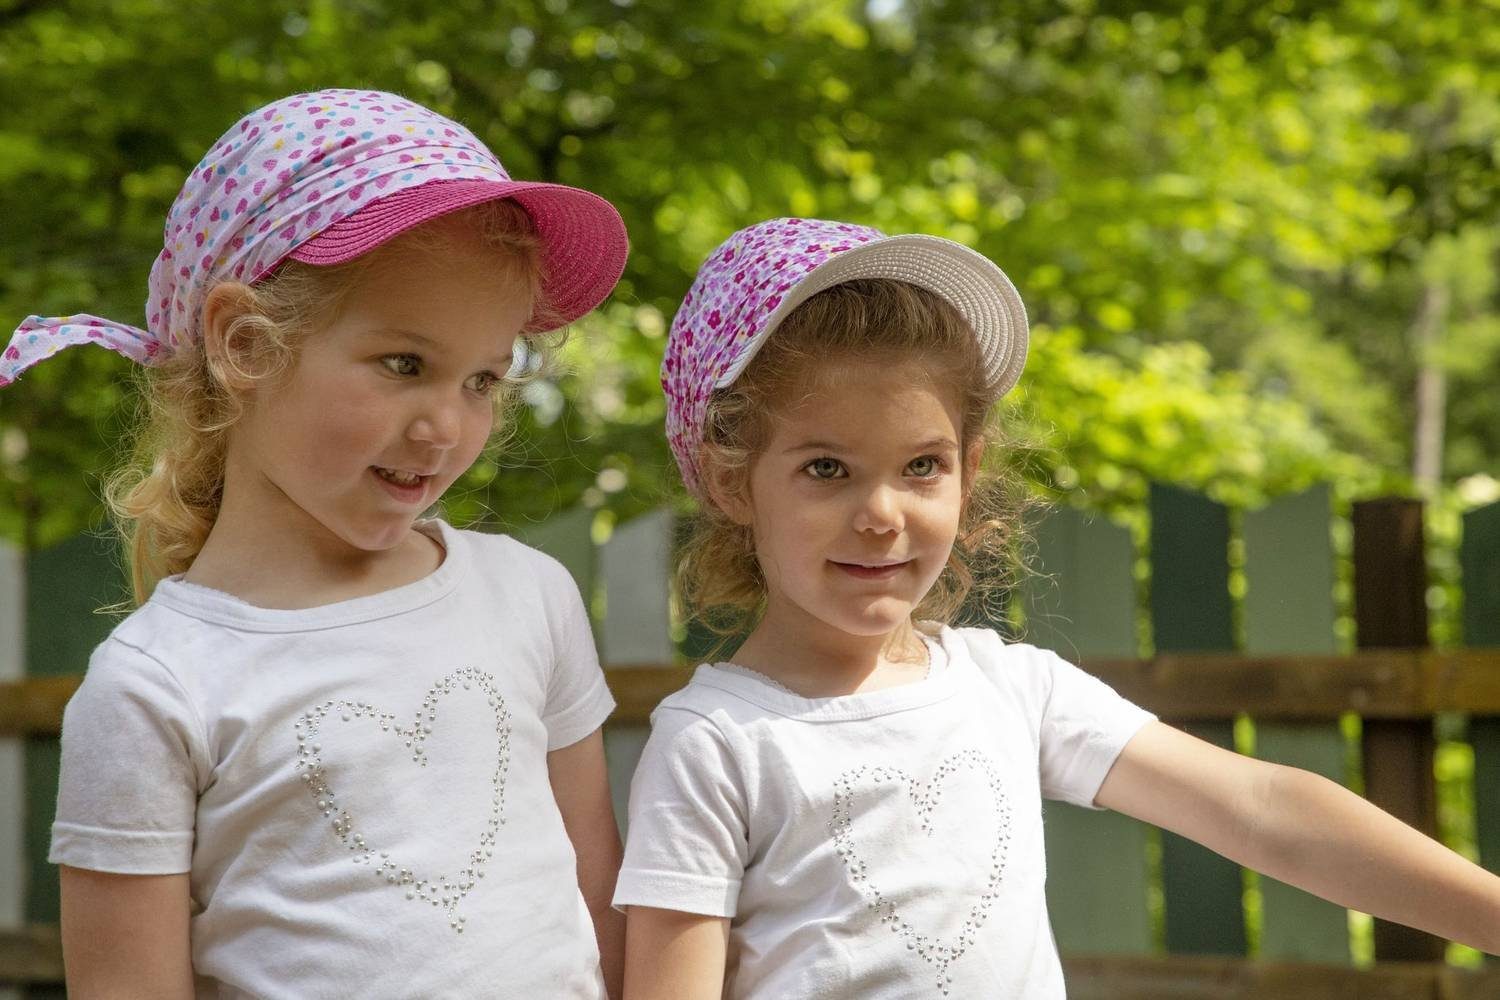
(973, 456)
(726, 491)
(225, 350)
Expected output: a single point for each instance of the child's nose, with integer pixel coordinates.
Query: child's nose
(439, 423)
(880, 511)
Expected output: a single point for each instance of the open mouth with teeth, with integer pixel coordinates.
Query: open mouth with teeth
(398, 477)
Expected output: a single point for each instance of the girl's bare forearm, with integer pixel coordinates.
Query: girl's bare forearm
(1313, 833)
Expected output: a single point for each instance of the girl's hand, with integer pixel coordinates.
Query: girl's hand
(1304, 830)
(125, 936)
(674, 956)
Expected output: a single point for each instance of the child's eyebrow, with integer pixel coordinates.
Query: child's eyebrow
(814, 446)
(933, 444)
(422, 340)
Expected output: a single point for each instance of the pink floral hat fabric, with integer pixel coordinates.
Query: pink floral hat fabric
(761, 273)
(325, 177)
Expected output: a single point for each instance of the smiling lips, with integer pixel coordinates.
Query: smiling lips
(410, 487)
(863, 571)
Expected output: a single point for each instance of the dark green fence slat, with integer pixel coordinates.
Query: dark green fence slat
(1083, 604)
(1289, 608)
(1480, 560)
(1190, 606)
(66, 586)
(568, 538)
(1191, 612)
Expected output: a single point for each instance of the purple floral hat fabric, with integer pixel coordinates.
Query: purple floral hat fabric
(760, 274)
(288, 171)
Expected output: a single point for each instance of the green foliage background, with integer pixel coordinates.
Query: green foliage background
(1225, 217)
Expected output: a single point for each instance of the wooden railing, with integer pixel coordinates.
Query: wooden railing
(1373, 683)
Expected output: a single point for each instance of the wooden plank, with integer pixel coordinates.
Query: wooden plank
(1191, 611)
(1390, 611)
(1390, 684)
(13, 806)
(1484, 736)
(568, 538)
(635, 567)
(67, 585)
(1289, 608)
(1083, 603)
(1479, 559)
(33, 955)
(1181, 977)
(34, 706)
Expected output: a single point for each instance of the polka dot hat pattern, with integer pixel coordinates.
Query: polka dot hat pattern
(760, 274)
(285, 173)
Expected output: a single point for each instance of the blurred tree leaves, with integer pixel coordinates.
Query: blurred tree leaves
(1224, 217)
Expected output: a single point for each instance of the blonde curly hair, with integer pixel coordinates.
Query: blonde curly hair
(165, 498)
(719, 578)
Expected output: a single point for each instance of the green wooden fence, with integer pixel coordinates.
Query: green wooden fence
(1245, 656)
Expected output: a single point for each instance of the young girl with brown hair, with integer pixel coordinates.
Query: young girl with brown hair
(851, 807)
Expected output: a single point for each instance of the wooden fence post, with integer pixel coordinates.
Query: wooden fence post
(1084, 605)
(1390, 612)
(1289, 609)
(636, 567)
(1191, 612)
(1479, 559)
(13, 871)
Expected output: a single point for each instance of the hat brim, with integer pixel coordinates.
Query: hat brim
(583, 237)
(967, 279)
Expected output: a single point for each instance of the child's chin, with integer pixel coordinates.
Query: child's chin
(878, 620)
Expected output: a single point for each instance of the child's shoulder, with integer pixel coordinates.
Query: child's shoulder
(144, 651)
(507, 555)
(989, 649)
(1013, 666)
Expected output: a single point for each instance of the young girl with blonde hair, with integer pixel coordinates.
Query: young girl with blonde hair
(852, 806)
(339, 749)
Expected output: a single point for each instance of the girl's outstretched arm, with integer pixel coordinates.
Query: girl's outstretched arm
(580, 784)
(1306, 831)
(671, 955)
(125, 936)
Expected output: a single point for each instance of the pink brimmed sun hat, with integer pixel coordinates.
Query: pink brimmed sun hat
(761, 273)
(323, 178)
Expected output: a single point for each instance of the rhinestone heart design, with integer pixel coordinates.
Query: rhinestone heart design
(442, 891)
(925, 797)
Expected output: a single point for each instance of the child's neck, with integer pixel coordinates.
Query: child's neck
(304, 565)
(816, 660)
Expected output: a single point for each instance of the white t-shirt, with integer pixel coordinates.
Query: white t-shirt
(886, 844)
(358, 791)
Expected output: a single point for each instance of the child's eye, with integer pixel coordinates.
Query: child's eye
(402, 364)
(925, 467)
(484, 383)
(824, 468)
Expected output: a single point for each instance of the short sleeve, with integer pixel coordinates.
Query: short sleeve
(133, 760)
(1084, 726)
(578, 700)
(688, 842)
